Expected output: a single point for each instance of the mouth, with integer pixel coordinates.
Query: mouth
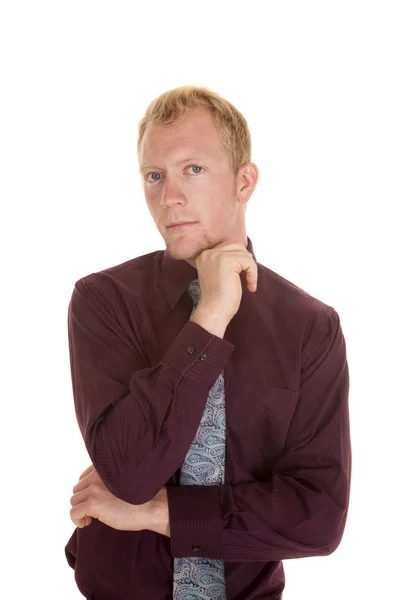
(182, 226)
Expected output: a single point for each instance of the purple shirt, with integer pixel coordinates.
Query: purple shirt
(141, 372)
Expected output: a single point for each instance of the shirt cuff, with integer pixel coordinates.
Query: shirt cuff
(195, 515)
(192, 346)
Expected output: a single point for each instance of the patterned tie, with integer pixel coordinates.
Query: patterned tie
(204, 464)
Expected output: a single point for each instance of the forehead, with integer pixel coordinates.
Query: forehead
(195, 134)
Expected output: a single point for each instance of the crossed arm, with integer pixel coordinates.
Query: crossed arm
(91, 499)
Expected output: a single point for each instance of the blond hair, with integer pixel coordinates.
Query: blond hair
(232, 128)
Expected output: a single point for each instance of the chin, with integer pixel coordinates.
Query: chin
(180, 253)
(184, 249)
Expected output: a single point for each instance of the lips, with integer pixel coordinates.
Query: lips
(181, 226)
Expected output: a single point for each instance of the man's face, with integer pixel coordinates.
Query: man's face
(186, 176)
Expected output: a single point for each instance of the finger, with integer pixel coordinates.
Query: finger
(81, 485)
(79, 514)
(86, 472)
(79, 521)
(85, 480)
(252, 277)
(79, 497)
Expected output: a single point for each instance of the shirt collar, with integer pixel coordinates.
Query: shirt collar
(177, 274)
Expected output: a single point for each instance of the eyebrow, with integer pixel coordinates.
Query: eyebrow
(145, 167)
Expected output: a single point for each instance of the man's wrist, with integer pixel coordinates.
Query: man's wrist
(158, 513)
(213, 323)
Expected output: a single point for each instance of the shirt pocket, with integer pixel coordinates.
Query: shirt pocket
(275, 410)
(259, 416)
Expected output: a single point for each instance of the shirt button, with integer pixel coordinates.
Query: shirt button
(191, 349)
(196, 548)
(203, 357)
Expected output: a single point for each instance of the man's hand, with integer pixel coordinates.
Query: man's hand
(219, 271)
(92, 499)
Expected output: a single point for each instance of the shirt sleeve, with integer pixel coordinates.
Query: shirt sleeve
(301, 509)
(137, 420)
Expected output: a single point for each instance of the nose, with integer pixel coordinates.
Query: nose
(171, 193)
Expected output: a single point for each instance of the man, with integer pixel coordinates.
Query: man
(211, 393)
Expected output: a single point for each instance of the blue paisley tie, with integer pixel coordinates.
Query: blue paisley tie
(204, 464)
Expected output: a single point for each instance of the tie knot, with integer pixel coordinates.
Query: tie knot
(194, 291)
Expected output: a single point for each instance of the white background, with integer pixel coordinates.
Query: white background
(319, 85)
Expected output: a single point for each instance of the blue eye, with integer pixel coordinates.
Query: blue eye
(154, 173)
(157, 173)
